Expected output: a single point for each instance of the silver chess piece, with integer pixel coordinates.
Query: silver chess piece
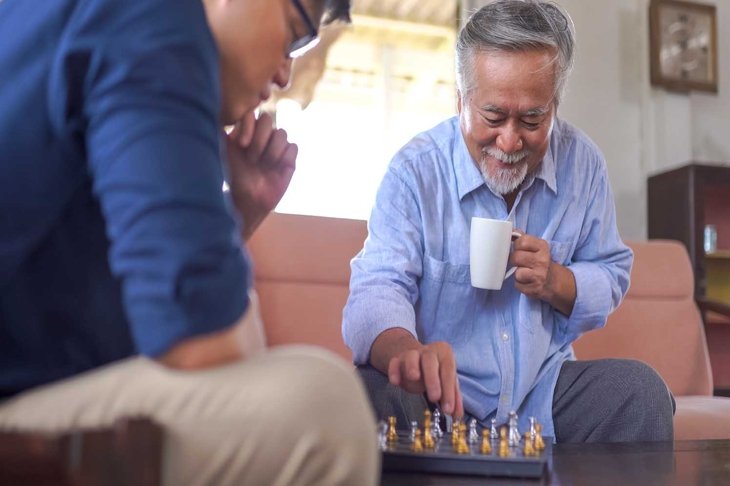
(533, 432)
(514, 433)
(436, 431)
(473, 434)
(382, 435)
(414, 428)
(493, 435)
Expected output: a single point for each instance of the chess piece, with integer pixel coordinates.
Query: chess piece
(417, 445)
(529, 449)
(493, 435)
(533, 421)
(539, 442)
(473, 434)
(486, 447)
(414, 428)
(382, 435)
(503, 442)
(514, 433)
(392, 434)
(428, 441)
(462, 447)
(436, 428)
(455, 432)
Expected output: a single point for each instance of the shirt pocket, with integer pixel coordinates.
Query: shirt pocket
(447, 302)
(560, 252)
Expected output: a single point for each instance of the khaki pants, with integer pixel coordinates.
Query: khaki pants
(290, 416)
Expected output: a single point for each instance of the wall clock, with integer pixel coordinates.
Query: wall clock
(683, 45)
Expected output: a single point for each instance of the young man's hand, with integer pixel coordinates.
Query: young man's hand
(261, 163)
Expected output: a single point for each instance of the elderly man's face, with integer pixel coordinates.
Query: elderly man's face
(253, 37)
(507, 117)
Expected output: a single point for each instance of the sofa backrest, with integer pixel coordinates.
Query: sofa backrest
(302, 273)
(658, 321)
(302, 276)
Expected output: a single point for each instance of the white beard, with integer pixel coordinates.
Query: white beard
(504, 180)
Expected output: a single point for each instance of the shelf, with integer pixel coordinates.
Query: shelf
(718, 255)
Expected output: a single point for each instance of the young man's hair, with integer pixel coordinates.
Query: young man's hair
(336, 10)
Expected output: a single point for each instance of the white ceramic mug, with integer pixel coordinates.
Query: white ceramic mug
(489, 245)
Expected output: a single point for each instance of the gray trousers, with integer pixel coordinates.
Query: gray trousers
(607, 400)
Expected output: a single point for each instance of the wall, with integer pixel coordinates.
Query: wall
(641, 130)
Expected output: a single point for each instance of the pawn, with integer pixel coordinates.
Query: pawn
(414, 428)
(486, 447)
(455, 432)
(493, 430)
(417, 445)
(473, 434)
(539, 442)
(503, 442)
(436, 427)
(382, 434)
(428, 441)
(392, 434)
(529, 449)
(462, 447)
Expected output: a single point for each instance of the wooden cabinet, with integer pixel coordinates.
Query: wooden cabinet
(681, 202)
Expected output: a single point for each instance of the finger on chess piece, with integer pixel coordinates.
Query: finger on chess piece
(417, 445)
(529, 449)
(392, 434)
(486, 447)
(539, 442)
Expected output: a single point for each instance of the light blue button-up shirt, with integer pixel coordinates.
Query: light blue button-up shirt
(413, 271)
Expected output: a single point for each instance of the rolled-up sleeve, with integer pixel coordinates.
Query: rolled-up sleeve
(151, 105)
(601, 263)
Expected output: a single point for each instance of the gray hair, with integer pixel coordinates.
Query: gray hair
(516, 25)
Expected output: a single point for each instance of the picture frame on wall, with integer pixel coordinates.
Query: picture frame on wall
(683, 45)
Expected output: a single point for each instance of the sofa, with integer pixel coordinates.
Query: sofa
(302, 271)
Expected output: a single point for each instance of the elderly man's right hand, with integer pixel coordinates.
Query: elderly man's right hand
(419, 368)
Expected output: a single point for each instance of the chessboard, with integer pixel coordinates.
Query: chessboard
(428, 449)
(443, 459)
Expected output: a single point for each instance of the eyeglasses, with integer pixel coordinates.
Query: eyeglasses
(307, 42)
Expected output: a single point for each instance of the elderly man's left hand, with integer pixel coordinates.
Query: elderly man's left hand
(261, 164)
(539, 277)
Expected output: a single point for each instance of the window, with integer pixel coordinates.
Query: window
(388, 77)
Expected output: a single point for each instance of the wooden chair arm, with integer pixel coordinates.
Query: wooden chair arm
(129, 452)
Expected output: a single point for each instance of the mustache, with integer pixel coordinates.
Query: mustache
(503, 157)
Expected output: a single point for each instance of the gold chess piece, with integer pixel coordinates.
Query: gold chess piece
(392, 435)
(462, 447)
(486, 447)
(529, 449)
(539, 442)
(503, 442)
(455, 432)
(417, 445)
(428, 441)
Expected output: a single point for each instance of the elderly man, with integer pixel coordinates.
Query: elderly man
(414, 322)
(116, 239)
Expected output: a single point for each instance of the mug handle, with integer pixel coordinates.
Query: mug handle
(513, 269)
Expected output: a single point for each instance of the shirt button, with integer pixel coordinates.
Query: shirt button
(505, 337)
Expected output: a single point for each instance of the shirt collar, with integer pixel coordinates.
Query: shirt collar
(469, 178)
